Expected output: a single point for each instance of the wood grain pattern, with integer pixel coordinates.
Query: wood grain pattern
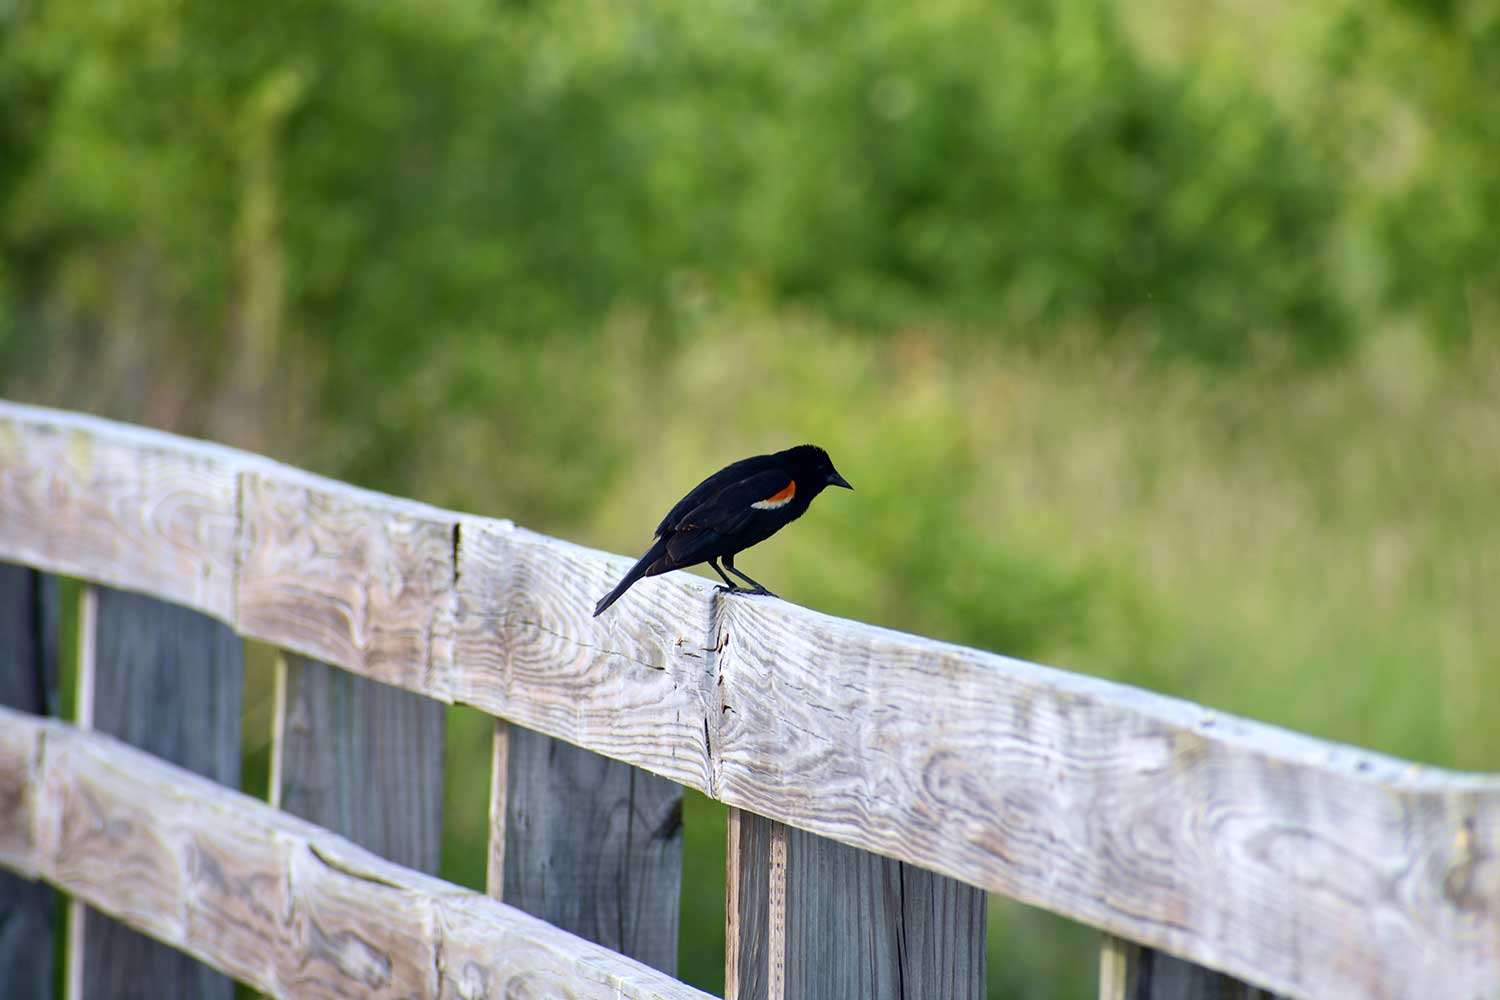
(1129, 972)
(636, 688)
(349, 577)
(778, 917)
(495, 952)
(362, 759)
(344, 942)
(590, 844)
(740, 907)
(815, 918)
(17, 803)
(942, 928)
(748, 907)
(1304, 867)
(284, 905)
(1307, 868)
(844, 911)
(119, 505)
(594, 846)
(168, 680)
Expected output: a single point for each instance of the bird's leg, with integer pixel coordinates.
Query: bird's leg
(759, 588)
(731, 587)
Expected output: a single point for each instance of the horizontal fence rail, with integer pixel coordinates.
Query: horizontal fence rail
(1308, 868)
(279, 903)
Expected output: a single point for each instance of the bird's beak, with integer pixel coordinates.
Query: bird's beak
(834, 479)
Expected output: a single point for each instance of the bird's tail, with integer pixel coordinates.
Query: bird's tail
(641, 568)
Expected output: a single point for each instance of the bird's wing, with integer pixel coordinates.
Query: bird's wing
(710, 488)
(729, 509)
(699, 534)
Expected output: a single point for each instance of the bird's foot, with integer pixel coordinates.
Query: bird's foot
(748, 591)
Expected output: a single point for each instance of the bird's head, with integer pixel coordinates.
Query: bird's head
(812, 467)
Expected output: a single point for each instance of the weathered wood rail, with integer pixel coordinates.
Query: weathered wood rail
(879, 783)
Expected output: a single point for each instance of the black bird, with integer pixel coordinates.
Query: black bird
(731, 510)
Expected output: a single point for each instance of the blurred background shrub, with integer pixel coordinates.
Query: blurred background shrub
(1160, 339)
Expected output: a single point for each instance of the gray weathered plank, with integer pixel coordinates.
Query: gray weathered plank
(119, 505)
(167, 680)
(1134, 812)
(1304, 867)
(821, 919)
(941, 926)
(361, 758)
(594, 846)
(28, 682)
(754, 916)
(1192, 832)
(1129, 972)
(588, 843)
(273, 900)
(636, 689)
(353, 578)
(19, 789)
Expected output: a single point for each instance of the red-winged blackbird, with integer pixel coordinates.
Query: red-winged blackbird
(731, 510)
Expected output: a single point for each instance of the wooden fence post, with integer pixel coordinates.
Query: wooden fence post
(361, 758)
(28, 681)
(755, 895)
(589, 844)
(1128, 971)
(808, 917)
(169, 681)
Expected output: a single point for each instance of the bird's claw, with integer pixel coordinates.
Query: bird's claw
(748, 591)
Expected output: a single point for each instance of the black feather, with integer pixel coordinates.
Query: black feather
(719, 517)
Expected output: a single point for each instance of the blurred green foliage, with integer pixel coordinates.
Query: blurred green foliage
(458, 171)
(1158, 339)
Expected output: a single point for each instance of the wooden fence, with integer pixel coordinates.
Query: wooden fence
(879, 784)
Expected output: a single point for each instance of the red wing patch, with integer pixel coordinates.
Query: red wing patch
(780, 499)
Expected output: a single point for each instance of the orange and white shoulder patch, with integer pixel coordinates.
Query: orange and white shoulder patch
(780, 499)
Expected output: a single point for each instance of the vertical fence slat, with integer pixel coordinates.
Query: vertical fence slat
(494, 871)
(943, 929)
(361, 758)
(169, 681)
(28, 681)
(1128, 971)
(28, 639)
(833, 921)
(83, 717)
(751, 971)
(593, 846)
